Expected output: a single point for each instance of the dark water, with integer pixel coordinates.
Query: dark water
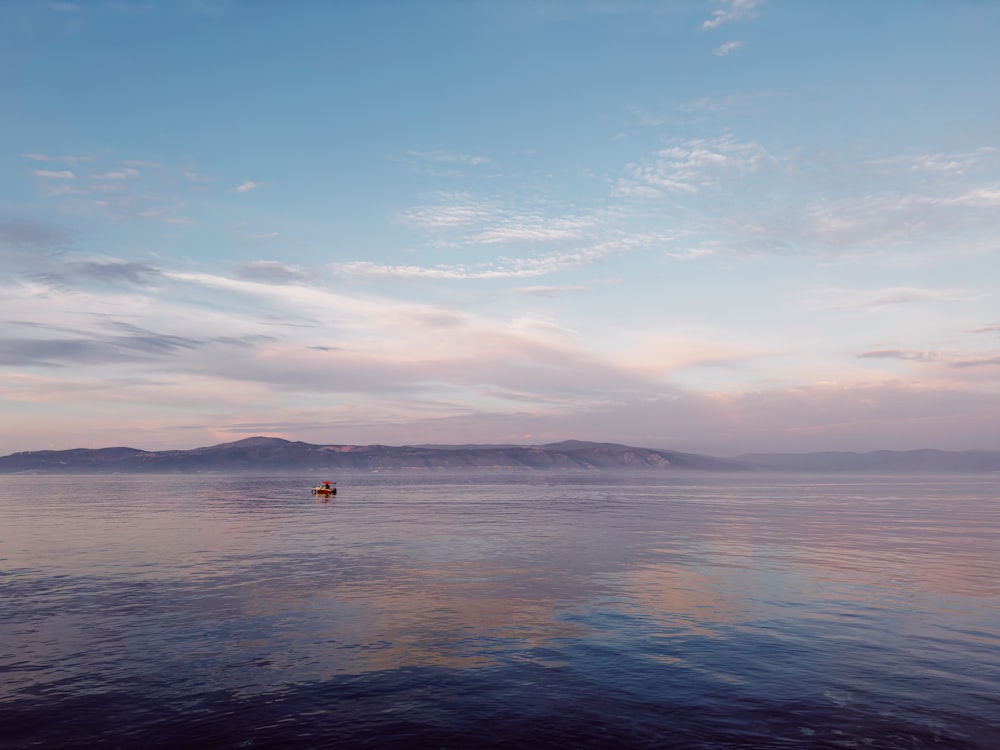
(533, 611)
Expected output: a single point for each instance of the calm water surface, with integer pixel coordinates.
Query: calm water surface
(500, 611)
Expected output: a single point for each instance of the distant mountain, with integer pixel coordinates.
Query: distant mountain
(915, 461)
(273, 455)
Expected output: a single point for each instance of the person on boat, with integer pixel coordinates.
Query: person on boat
(326, 486)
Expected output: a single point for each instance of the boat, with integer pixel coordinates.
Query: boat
(327, 489)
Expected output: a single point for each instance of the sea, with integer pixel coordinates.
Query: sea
(528, 610)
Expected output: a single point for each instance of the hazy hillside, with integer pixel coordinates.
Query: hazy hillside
(275, 455)
(265, 454)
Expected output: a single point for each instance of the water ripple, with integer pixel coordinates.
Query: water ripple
(484, 611)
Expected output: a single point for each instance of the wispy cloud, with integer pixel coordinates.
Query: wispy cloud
(170, 213)
(118, 343)
(834, 299)
(375, 270)
(732, 10)
(696, 252)
(246, 187)
(909, 202)
(549, 291)
(874, 221)
(646, 118)
(504, 268)
(739, 103)
(724, 49)
(957, 163)
(123, 191)
(464, 219)
(26, 244)
(450, 164)
(48, 174)
(378, 365)
(68, 160)
(904, 354)
(694, 165)
(447, 157)
(534, 228)
(75, 273)
(273, 272)
(141, 164)
(983, 362)
(451, 211)
(117, 174)
(370, 345)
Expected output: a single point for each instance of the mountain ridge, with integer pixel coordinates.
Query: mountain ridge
(264, 454)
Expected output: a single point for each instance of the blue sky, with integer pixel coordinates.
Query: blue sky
(718, 226)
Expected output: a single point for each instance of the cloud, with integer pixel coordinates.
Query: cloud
(696, 165)
(724, 49)
(883, 220)
(375, 368)
(119, 174)
(457, 219)
(835, 299)
(359, 345)
(385, 270)
(505, 268)
(170, 214)
(272, 272)
(121, 192)
(698, 252)
(53, 353)
(731, 104)
(49, 174)
(129, 345)
(734, 10)
(132, 272)
(982, 362)
(877, 222)
(139, 163)
(550, 291)
(908, 355)
(958, 164)
(70, 160)
(246, 187)
(447, 157)
(24, 234)
(984, 197)
(772, 202)
(526, 228)
(27, 245)
(112, 271)
(450, 211)
(443, 163)
(647, 119)
(821, 417)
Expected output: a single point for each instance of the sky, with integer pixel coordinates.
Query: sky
(715, 226)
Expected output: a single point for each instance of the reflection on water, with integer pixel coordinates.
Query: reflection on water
(541, 610)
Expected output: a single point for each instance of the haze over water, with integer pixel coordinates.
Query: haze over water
(536, 610)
